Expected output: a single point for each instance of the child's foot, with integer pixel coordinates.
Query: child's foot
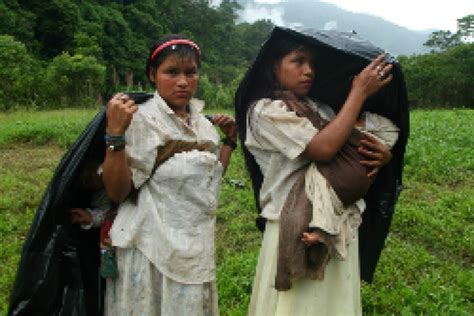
(311, 238)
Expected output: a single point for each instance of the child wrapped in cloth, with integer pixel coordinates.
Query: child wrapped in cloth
(316, 204)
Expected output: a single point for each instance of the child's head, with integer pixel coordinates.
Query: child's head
(172, 67)
(90, 177)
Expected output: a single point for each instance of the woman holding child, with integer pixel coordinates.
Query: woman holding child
(283, 131)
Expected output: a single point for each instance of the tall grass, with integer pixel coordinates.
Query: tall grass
(60, 127)
(425, 269)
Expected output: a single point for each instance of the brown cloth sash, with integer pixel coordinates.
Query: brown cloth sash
(350, 182)
(175, 147)
(344, 172)
(167, 151)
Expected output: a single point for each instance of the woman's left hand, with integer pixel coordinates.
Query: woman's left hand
(377, 154)
(226, 124)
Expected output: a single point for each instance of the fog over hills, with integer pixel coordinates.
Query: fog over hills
(395, 39)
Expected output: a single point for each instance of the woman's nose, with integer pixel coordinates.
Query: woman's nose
(308, 69)
(182, 82)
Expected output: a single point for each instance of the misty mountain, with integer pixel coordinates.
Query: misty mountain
(391, 37)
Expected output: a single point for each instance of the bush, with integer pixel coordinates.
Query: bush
(74, 80)
(18, 71)
(217, 95)
(441, 79)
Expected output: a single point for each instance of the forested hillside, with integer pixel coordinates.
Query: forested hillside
(61, 53)
(95, 47)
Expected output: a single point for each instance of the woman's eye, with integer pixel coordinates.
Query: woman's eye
(299, 61)
(172, 71)
(191, 72)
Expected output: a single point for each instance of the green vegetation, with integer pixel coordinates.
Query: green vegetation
(443, 39)
(67, 53)
(441, 79)
(60, 127)
(426, 268)
(72, 53)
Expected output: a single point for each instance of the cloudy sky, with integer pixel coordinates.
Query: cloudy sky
(413, 14)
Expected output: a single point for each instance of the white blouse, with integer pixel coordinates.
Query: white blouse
(173, 220)
(276, 137)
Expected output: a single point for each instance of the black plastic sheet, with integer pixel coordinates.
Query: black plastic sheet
(58, 272)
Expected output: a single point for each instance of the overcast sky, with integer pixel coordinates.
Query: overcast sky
(413, 14)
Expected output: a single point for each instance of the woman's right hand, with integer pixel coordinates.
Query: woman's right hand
(120, 111)
(373, 77)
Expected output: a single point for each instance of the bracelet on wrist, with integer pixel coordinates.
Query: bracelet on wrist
(109, 137)
(229, 142)
(115, 142)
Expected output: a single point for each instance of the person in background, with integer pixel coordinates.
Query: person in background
(100, 214)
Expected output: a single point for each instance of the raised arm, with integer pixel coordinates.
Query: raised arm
(325, 144)
(116, 175)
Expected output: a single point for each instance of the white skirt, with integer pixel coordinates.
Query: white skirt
(141, 289)
(337, 294)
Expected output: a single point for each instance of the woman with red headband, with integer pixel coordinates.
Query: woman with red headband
(164, 166)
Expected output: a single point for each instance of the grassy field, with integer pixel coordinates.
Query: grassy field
(425, 269)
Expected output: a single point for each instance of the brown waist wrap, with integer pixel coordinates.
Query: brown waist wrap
(295, 260)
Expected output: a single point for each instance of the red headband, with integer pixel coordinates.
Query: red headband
(175, 42)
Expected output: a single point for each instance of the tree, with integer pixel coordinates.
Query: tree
(17, 73)
(442, 40)
(17, 22)
(442, 78)
(74, 80)
(466, 27)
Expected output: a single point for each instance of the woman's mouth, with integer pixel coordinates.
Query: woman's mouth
(307, 83)
(182, 94)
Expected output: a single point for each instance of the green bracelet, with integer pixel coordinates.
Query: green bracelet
(229, 142)
(114, 138)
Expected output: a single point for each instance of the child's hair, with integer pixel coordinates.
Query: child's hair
(89, 177)
(160, 51)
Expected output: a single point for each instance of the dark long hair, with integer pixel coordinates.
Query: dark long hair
(182, 51)
(258, 83)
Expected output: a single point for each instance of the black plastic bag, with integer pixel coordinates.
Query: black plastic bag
(340, 56)
(58, 272)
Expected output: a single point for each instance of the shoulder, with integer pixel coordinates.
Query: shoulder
(267, 105)
(378, 120)
(322, 108)
(150, 112)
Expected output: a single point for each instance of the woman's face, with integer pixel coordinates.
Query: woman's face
(176, 80)
(295, 72)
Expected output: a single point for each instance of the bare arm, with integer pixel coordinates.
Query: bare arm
(325, 144)
(229, 128)
(116, 174)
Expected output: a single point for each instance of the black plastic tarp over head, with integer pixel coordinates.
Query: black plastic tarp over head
(340, 56)
(58, 272)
